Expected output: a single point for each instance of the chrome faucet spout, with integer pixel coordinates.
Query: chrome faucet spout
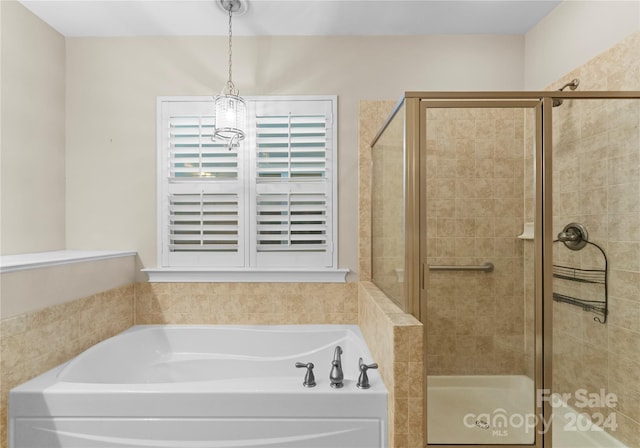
(336, 375)
(337, 353)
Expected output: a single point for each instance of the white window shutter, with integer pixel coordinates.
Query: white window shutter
(291, 147)
(292, 208)
(204, 201)
(269, 203)
(204, 229)
(194, 155)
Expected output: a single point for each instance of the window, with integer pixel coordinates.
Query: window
(265, 208)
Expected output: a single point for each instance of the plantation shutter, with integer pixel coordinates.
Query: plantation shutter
(269, 203)
(204, 197)
(293, 200)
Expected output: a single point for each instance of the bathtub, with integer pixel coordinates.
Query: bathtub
(204, 387)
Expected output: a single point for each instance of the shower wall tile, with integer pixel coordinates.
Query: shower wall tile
(605, 137)
(35, 342)
(396, 343)
(477, 208)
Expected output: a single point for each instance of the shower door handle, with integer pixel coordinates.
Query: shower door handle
(486, 267)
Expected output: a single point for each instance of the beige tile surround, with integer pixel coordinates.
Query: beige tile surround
(395, 338)
(396, 342)
(474, 212)
(35, 342)
(601, 190)
(246, 303)
(587, 354)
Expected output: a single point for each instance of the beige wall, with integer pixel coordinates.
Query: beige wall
(572, 34)
(112, 85)
(32, 192)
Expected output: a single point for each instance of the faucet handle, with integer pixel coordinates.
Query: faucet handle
(364, 366)
(363, 379)
(309, 377)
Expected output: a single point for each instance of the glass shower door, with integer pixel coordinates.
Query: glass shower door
(387, 212)
(478, 303)
(596, 284)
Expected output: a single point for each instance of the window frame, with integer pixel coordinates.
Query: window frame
(247, 164)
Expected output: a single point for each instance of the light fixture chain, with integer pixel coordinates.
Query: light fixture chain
(230, 86)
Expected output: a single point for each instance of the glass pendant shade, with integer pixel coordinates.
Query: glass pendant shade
(230, 108)
(231, 118)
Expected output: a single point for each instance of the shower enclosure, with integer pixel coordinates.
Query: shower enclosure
(509, 224)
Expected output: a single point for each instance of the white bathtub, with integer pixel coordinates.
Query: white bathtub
(204, 387)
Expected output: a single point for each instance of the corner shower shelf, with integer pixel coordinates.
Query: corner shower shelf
(588, 276)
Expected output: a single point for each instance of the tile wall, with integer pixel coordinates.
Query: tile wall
(396, 343)
(394, 338)
(475, 188)
(35, 342)
(597, 182)
(246, 303)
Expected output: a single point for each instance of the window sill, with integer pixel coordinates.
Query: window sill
(196, 275)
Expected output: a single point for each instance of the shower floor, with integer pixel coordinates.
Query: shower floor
(487, 410)
(476, 409)
(566, 420)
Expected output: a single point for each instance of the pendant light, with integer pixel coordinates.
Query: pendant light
(230, 107)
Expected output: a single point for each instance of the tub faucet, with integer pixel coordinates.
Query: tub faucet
(336, 375)
(363, 379)
(309, 377)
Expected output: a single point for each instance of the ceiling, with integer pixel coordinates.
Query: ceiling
(75, 18)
